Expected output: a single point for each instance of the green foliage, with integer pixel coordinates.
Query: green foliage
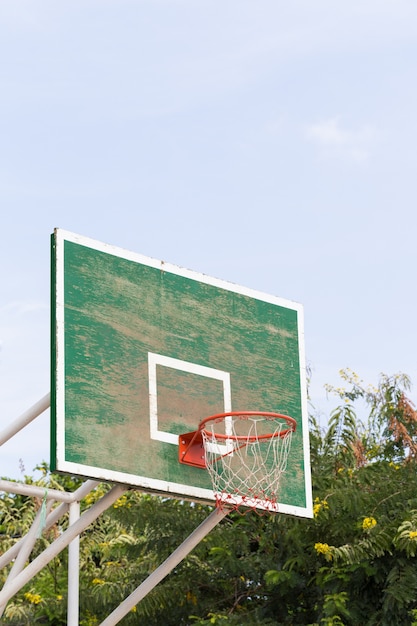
(354, 563)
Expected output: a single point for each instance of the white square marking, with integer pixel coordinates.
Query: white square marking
(183, 366)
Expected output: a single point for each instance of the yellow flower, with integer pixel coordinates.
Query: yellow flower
(95, 495)
(392, 464)
(318, 505)
(413, 534)
(368, 523)
(98, 581)
(34, 598)
(120, 502)
(325, 549)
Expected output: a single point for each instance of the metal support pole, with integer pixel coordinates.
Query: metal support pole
(34, 491)
(73, 570)
(24, 553)
(25, 419)
(59, 544)
(51, 519)
(164, 569)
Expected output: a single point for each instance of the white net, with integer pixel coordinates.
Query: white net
(246, 468)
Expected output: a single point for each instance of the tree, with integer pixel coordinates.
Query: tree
(354, 563)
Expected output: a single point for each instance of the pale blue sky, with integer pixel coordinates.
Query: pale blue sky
(267, 143)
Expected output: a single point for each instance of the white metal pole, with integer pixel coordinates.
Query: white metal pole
(24, 552)
(27, 546)
(164, 569)
(51, 519)
(73, 570)
(59, 544)
(25, 419)
(34, 491)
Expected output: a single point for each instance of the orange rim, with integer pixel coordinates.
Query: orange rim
(219, 417)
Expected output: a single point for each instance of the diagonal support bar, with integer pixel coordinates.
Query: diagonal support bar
(25, 419)
(59, 544)
(24, 552)
(164, 569)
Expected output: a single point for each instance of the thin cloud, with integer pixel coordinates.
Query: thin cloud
(334, 140)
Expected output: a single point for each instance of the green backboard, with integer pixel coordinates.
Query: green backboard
(143, 350)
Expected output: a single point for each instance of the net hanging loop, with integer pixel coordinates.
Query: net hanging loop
(246, 460)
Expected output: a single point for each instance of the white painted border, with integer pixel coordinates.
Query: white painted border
(63, 235)
(60, 349)
(143, 482)
(304, 416)
(166, 488)
(183, 366)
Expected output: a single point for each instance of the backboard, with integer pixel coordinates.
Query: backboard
(143, 350)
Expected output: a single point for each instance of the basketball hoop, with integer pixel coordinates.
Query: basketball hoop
(246, 461)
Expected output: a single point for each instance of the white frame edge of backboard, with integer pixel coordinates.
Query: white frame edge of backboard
(163, 488)
(304, 418)
(60, 351)
(64, 235)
